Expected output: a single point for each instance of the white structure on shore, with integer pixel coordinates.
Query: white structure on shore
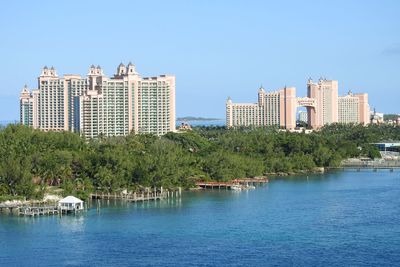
(98, 105)
(70, 203)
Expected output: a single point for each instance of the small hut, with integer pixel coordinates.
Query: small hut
(70, 203)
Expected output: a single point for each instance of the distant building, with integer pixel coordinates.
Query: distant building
(303, 116)
(325, 93)
(323, 105)
(388, 146)
(28, 108)
(376, 117)
(275, 108)
(353, 108)
(185, 127)
(348, 109)
(98, 105)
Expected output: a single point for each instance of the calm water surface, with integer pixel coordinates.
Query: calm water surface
(337, 219)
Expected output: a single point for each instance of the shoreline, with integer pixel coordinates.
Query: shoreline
(273, 175)
(51, 198)
(316, 170)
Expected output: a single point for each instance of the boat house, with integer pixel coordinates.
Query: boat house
(70, 204)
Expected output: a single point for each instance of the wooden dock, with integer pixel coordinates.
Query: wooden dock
(230, 184)
(32, 209)
(11, 207)
(253, 181)
(129, 197)
(371, 167)
(374, 165)
(139, 196)
(39, 210)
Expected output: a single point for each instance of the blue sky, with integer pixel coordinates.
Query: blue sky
(216, 49)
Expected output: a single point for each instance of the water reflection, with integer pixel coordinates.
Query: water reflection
(72, 223)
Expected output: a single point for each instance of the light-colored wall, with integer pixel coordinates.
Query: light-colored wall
(314, 114)
(348, 109)
(287, 107)
(325, 92)
(276, 108)
(51, 115)
(364, 108)
(242, 114)
(229, 111)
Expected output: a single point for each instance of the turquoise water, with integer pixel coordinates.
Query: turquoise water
(337, 219)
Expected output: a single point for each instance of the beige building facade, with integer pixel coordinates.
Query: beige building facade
(278, 108)
(99, 105)
(354, 108)
(28, 107)
(325, 93)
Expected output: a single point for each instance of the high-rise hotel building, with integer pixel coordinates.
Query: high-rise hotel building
(353, 108)
(278, 108)
(275, 108)
(98, 105)
(325, 110)
(28, 107)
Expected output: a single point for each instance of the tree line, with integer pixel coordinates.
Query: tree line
(31, 160)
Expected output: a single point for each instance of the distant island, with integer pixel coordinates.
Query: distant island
(191, 118)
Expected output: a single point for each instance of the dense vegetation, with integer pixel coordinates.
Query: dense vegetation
(392, 117)
(30, 160)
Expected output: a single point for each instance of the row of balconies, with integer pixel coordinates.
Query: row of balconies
(154, 96)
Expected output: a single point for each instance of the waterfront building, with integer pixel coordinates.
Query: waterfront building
(278, 108)
(70, 204)
(98, 105)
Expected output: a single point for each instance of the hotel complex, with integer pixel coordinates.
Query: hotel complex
(278, 108)
(273, 108)
(98, 105)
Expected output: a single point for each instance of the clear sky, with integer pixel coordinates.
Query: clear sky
(215, 48)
